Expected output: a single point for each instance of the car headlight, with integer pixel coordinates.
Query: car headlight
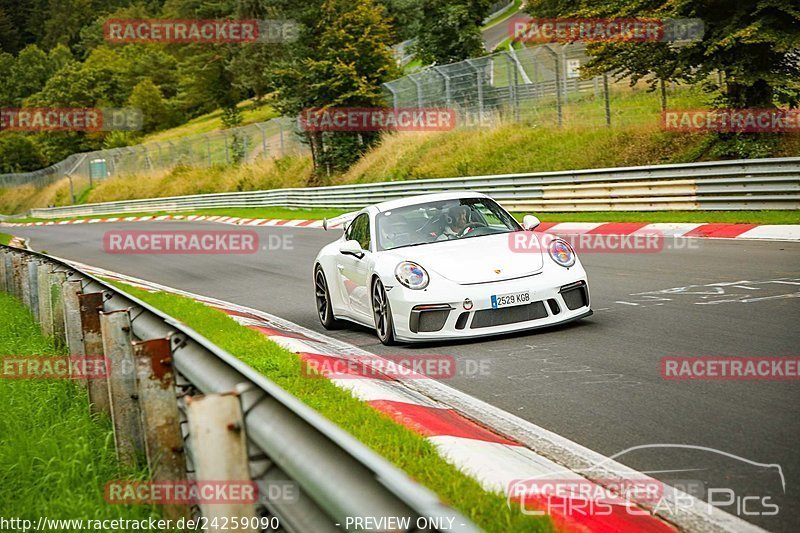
(411, 275)
(562, 253)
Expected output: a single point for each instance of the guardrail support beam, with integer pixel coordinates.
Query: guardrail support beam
(43, 297)
(90, 305)
(56, 281)
(219, 450)
(72, 319)
(125, 416)
(160, 416)
(33, 288)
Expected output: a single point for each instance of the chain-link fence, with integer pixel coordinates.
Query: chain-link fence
(245, 144)
(540, 85)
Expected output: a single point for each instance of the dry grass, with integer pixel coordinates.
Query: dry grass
(515, 148)
(263, 174)
(20, 199)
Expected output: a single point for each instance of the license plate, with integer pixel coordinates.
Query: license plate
(508, 300)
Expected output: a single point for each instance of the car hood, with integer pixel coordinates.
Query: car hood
(475, 260)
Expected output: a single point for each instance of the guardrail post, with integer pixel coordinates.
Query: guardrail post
(90, 305)
(3, 271)
(43, 297)
(219, 451)
(72, 319)
(125, 417)
(33, 288)
(24, 281)
(56, 281)
(160, 416)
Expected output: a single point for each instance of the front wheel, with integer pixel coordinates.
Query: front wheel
(323, 299)
(384, 327)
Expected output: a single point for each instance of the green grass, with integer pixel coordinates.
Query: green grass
(54, 457)
(405, 449)
(252, 112)
(728, 217)
(5, 238)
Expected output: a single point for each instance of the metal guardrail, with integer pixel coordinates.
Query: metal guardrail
(287, 441)
(742, 184)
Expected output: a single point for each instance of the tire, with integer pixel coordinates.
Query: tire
(382, 314)
(323, 301)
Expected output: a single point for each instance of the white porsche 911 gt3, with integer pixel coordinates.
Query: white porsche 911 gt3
(443, 266)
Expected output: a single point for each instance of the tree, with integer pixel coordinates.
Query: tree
(18, 153)
(342, 61)
(754, 44)
(450, 31)
(146, 97)
(30, 72)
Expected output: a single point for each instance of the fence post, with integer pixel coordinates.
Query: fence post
(125, 417)
(219, 451)
(90, 305)
(419, 90)
(208, 149)
(557, 67)
(264, 152)
(244, 159)
(663, 95)
(479, 81)
(283, 146)
(395, 102)
(43, 297)
(607, 100)
(160, 417)
(448, 95)
(227, 155)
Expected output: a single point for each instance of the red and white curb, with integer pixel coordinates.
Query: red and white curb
(493, 446)
(783, 232)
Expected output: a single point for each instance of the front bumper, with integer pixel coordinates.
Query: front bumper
(441, 313)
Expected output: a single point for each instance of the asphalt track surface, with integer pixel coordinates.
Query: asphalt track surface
(596, 381)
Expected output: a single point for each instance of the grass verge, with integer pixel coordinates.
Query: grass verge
(404, 448)
(287, 213)
(54, 457)
(5, 238)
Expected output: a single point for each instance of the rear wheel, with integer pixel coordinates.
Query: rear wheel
(323, 299)
(384, 327)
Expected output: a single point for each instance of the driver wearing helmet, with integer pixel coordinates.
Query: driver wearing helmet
(457, 218)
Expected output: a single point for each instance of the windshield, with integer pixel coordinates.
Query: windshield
(442, 221)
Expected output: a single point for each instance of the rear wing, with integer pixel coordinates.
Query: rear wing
(341, 220)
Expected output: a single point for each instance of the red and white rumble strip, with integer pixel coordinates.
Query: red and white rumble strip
(491, 445)
(783, 232)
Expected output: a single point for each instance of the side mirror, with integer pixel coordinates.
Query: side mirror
(351, 248)
(530, 222)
